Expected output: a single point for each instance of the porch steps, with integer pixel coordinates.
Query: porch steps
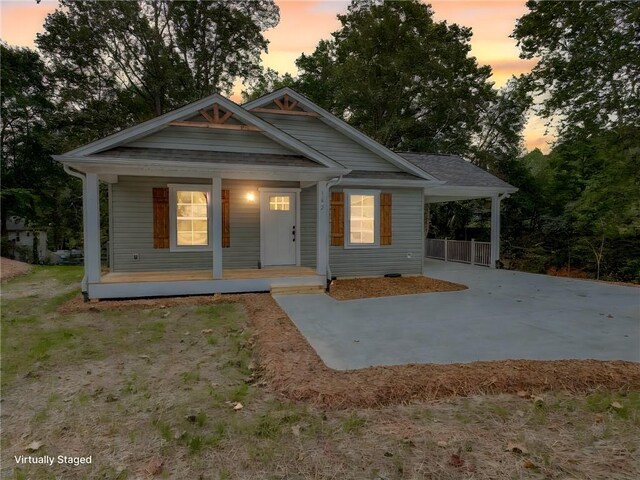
(296, 289)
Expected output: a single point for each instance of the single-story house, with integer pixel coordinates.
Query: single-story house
(220, 197)
(21, 239)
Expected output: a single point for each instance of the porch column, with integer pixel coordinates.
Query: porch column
(495, 230)
(322, 228)
(92, 228)
(216, 225)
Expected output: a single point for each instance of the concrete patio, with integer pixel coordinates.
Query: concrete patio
(503, 315)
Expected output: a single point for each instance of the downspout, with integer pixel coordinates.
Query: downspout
(331, 183)
(81, 176)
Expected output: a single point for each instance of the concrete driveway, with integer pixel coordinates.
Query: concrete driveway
(503, 315)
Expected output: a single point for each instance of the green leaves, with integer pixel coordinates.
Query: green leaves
(157, 54)
(588, 61)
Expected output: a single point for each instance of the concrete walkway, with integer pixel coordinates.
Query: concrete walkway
(503, 315)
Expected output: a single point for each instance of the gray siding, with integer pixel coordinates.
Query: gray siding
(308, 227)
(407, 205)
(329, 141)
(132, 212)
(209, 139)
(132, 227)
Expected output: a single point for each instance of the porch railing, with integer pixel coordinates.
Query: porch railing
(475, 253)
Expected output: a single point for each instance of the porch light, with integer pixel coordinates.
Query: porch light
(251, 197)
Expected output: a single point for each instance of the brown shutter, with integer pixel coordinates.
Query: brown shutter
(385, 219)
(160, 218)
(337, 219)
(226, 225)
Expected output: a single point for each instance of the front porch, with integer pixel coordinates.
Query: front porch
(200, 282)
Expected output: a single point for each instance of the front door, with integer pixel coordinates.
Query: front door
(278, 228)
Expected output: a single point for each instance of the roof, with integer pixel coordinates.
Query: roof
(206, 156)
(455, 170)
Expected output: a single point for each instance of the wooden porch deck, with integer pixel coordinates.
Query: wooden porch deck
(190, 275)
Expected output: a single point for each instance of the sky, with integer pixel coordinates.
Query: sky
(304, 22)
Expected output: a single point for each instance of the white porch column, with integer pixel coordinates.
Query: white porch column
(92, 228)
(495, 230)
(322, 228)
(216, 225)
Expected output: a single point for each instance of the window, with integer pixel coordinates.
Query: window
(189, 217)
(362, 218)
(277, 202)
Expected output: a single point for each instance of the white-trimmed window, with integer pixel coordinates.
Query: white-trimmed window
(362, 218)
(190, 217)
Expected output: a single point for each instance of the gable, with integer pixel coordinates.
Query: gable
(292, 104)
(329, 141)
(191, 138)
(236, 130)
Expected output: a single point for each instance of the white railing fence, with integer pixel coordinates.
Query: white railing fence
(475, 253)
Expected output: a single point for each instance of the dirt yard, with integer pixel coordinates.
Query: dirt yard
(172, 388)
(355, 288)
(12, 268)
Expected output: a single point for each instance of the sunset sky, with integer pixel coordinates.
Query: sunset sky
(304, 22)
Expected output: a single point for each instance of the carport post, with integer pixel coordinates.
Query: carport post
(495, 230)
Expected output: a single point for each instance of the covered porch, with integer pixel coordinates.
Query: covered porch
(241, 254)
(197, 282)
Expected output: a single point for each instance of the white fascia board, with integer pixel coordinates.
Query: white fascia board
(343, 127)
(390, 182)
(158, 123)
(119, 166)
(466, 192)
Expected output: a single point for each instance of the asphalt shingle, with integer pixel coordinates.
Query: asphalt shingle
(454, 170)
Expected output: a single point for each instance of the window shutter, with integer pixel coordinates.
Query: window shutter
(160, 218)
(226, 225)
(337, 219)
(385, 219)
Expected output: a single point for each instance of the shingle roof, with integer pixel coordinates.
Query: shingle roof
(205, 156)
(454, 170)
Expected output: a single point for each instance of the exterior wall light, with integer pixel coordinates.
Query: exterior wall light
(251, 197)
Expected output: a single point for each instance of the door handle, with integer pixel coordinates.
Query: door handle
(293, 232)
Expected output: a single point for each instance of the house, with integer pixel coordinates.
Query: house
(221, 197)
(22, 239)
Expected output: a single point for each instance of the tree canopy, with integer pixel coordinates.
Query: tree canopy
(588, 56)
(153, 55)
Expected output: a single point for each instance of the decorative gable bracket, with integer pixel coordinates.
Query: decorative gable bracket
(286, 106)
(216, 118)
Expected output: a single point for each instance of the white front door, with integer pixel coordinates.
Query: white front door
(278, 227)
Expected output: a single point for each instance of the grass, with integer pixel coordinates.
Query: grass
(128, 386)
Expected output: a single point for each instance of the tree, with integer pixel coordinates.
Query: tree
(400, 77)
(34, 187)
(155, 54)
(268, 81)
(588, 61)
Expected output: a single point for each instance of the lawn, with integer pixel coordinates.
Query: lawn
(172, 391)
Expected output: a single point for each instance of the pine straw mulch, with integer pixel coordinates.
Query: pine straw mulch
(293, 368)
(356, 288)
(12, 268)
